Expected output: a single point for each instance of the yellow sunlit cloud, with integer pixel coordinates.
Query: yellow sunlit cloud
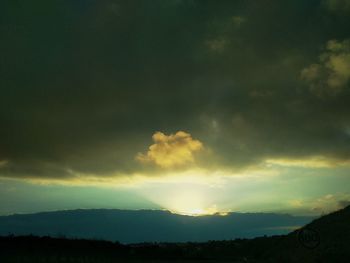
(309, 162)
(172, 150)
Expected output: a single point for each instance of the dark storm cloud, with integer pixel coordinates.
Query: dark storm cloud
(85, 84)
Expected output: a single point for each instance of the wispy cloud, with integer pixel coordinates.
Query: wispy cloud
(308, 162)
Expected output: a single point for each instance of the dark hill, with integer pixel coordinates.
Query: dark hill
(326, 239)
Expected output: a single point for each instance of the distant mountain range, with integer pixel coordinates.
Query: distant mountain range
(134, 226)
(324, 240)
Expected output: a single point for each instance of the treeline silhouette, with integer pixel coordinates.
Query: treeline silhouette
(47, 249)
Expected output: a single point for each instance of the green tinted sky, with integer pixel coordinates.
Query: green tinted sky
(193, 106)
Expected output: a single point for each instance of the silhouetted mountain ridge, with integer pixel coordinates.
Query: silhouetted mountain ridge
(133, 226)
(332, 230)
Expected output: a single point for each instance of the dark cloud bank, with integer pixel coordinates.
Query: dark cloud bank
(85, 84)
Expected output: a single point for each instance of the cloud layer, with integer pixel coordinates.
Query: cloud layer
(84, 84)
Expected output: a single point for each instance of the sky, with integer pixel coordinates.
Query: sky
(193, 106)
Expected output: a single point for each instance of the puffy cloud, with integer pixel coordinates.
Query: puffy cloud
(224, 29)
(217, 45)
(338, 5)
(330, 202)
(238, 20)
(332, 74)
(343, 203)
(321, 204)
(3, 163)
(172, 150)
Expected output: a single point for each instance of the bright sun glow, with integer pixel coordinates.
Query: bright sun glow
(189, 202)
(201, 212)
(192, 203)
(183, 197)
(198, 212)
(194, 212)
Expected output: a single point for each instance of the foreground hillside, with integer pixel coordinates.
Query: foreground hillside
(326, 239)
(328, 242)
